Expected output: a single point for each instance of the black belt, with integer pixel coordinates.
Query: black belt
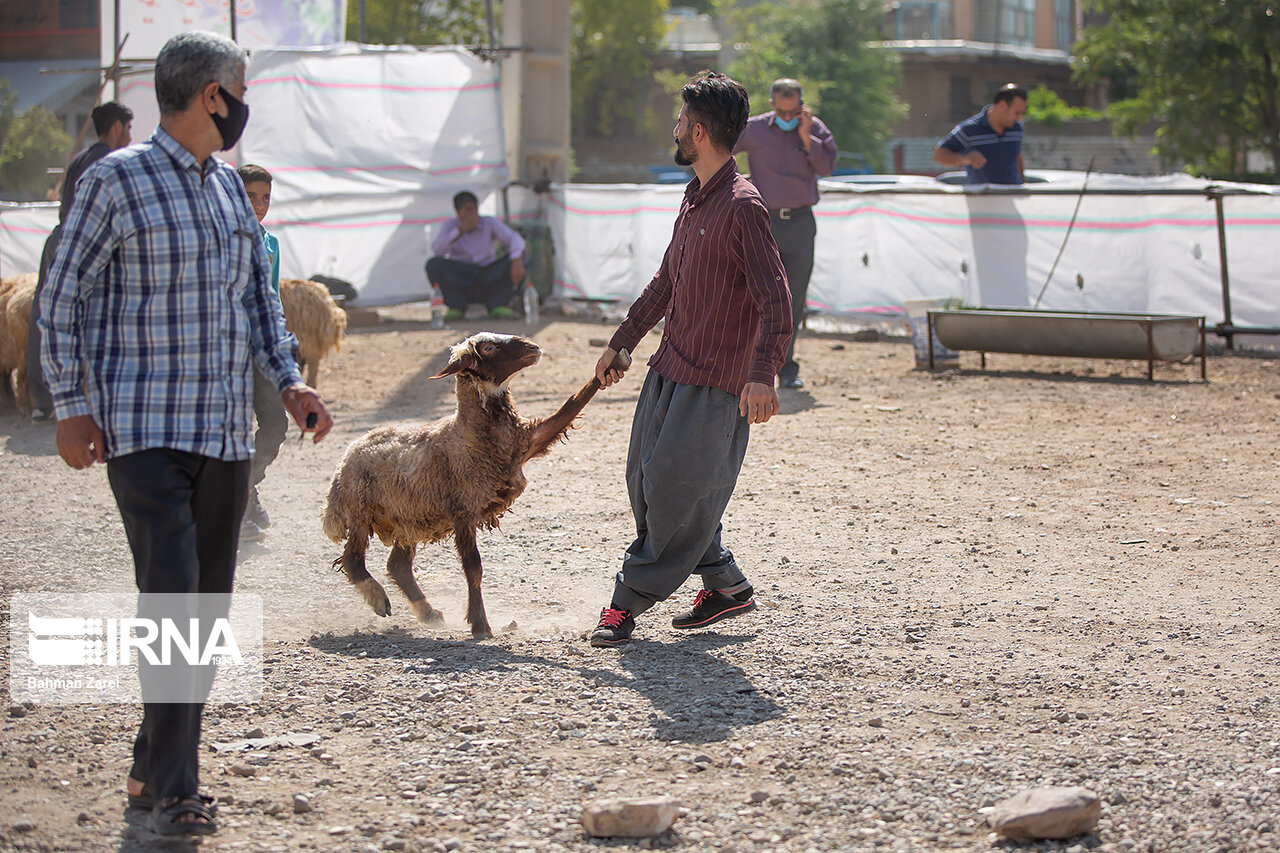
(788, 212)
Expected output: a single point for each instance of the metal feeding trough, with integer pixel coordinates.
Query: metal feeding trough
(1071, 334)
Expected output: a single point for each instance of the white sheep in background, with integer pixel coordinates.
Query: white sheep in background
(16, 295)
(425, 482)
(315, 320)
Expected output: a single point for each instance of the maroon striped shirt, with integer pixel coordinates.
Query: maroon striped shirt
(722, 290)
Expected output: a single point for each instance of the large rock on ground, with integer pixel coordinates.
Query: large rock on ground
(1046, 813)
(643, 817)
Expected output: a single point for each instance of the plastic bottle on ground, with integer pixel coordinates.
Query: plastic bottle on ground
(530, 305)
(437, 308)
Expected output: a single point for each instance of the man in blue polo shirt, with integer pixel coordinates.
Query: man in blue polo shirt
(989, 145)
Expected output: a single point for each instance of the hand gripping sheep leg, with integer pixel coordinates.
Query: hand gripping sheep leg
(424, 482)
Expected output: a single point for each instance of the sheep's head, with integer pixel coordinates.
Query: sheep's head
(492, 359)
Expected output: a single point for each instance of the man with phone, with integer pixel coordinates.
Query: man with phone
(787, 150)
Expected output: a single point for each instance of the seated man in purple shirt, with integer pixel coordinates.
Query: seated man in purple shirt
(466, 267)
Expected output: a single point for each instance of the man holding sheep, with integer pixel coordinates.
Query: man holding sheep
(159, 299)
(723, 293)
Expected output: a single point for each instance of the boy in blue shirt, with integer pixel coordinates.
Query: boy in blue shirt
(273, 421)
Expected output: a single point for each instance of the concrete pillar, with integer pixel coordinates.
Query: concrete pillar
(535, 89)
(963, 15)
(1046, 25)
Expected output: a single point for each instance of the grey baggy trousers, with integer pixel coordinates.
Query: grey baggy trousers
(687, 447)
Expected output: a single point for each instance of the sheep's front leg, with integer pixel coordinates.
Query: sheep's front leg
(465, 540)
(400, 567)
(550, 430)
(352, 562)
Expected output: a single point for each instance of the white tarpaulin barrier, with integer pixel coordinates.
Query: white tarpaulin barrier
(1153, 248)
(145, 25)
(367, 146)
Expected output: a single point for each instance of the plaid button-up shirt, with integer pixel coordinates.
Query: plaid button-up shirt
(158, 297)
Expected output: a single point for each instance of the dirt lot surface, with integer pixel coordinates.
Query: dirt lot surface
(970, 583)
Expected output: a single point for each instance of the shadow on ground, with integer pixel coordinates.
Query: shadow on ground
(696, 695)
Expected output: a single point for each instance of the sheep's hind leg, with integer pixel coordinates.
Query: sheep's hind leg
(352, 563)
(465, 540)
(400, 567)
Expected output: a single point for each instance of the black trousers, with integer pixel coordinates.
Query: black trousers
(181, 514)
(794, 237)
(462, 283)
(40, 397)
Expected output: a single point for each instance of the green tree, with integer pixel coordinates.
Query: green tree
(422, 22)
(1045, 106)
(829, 46)
(31, 143)
(612, 52)
(1209, 72)
(8, 101)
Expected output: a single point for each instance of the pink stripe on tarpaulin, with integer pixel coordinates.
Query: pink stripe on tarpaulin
(390, 87)
(626, 211)
(570, 286)
(968, 221)
(373, 223)
(340, 226)
(22, 229)
(391, 167)
(1085, 225)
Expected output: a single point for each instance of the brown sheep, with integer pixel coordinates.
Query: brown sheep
(315, 319)
(425, 482)
(16, 294)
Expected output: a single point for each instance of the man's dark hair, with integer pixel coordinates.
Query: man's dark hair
(719, 104)
(1008, 92)
(249, 173)
(786, 86)
(105, 115)
(464, 197)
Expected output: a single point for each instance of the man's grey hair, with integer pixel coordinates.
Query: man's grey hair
(190, 61)
(786, 87)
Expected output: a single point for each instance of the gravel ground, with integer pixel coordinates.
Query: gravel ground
(970, 583)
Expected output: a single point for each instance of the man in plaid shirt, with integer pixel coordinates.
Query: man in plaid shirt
(158, 299)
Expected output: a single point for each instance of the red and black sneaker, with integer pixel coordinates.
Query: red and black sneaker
(712, 605)
(614, 629)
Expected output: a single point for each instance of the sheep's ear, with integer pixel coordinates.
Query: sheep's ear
(457, 365)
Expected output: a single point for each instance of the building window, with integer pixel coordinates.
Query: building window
(1005, 21)
(920, 19)
(1064, 24)
(1019, 22)
(77, 14)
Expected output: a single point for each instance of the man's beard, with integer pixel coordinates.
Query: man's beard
(685, 156)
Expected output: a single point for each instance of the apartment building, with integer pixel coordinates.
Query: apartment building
(49, 55)
(956, 53)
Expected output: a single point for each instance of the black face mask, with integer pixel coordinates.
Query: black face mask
(233, 125)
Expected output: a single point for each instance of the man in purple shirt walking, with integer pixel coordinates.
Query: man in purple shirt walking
(466, 267)
(723, 294)
(787, 150)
